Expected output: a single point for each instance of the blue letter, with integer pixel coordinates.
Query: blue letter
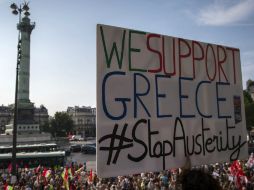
(199, 84)
(137, 95)
(182, 97)
(122, 100)
(220, 99)
(160, 95)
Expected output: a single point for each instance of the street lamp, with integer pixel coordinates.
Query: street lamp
(17, 10)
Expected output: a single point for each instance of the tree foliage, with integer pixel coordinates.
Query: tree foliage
(249, 113)
(249, 110)
(45, 127)
(61, 124)
(249, 84)
(247, 98)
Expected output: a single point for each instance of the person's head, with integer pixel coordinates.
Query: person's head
(198, 180)
(113, 187)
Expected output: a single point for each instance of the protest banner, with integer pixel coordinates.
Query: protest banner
(161, 99)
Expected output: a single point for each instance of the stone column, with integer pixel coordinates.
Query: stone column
(25, 27)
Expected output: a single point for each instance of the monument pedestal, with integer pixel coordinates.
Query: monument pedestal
(25, 113)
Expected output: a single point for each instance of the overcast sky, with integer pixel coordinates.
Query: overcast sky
(63, 43)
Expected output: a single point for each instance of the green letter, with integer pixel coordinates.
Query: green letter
(114, 48)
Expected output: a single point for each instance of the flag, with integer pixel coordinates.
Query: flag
(250, 161)
(65, 176)
(37, 170)
(51, 187)
(70, 172)
(47, 174)
(8, 187)
(38, 178)
(9, 168)
(80, 169)
(44, 172)
(238, 174)
(91, 175)
(236, 168)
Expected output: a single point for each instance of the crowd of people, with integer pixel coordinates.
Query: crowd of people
(235, 175)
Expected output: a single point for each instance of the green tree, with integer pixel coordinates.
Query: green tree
(249, 108)
(249, 84)
(247, 98)
(249, 113)
(61, 124)
(45, 127)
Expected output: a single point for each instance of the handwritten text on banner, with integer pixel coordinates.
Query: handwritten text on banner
(161, 99)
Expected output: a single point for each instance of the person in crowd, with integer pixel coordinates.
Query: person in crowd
(238, 175)
(198, 180)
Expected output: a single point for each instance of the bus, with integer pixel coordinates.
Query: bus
(34, 159)
(42, 147)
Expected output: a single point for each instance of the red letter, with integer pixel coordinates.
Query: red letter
(233, 55)
(211, 79)
(182, 55)
(174, 58)
(196, 58)
(220, 62)
(157, 52)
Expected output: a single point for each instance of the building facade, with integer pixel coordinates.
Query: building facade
(40, 117)
(84, 119)
(6, 113)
